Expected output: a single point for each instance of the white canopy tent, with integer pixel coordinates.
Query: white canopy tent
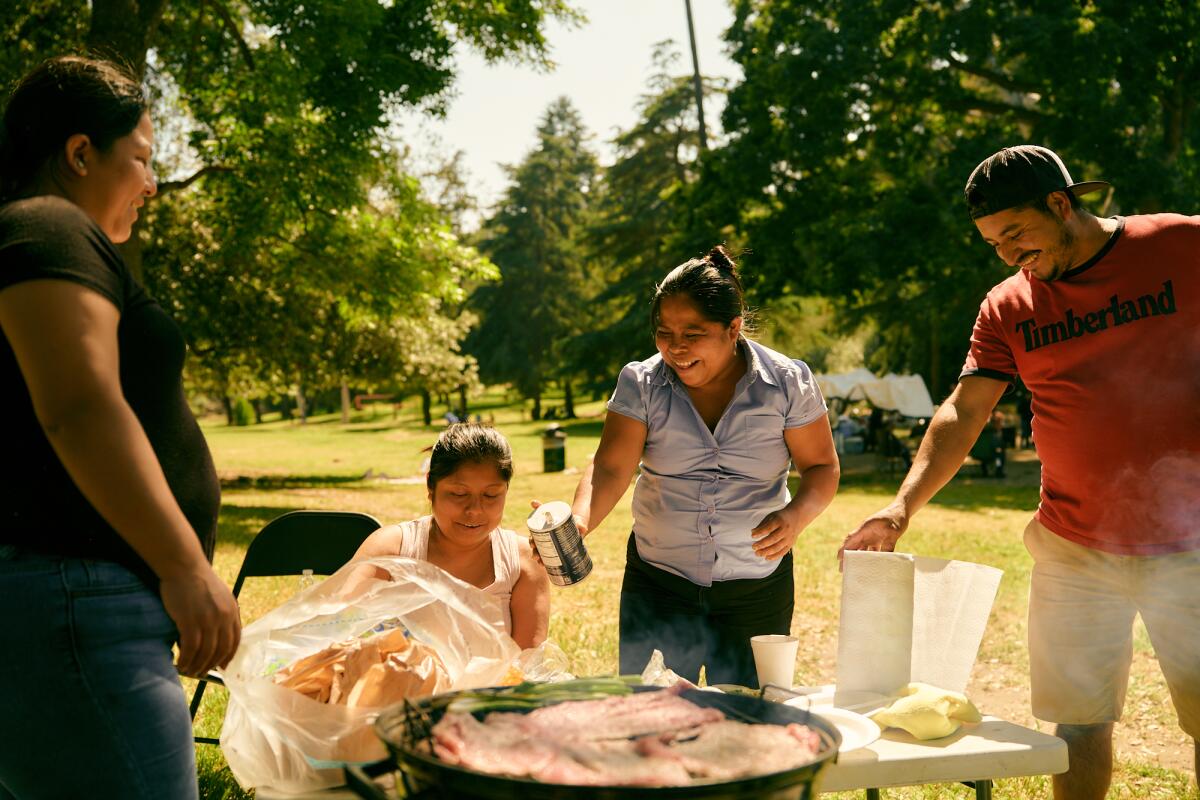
(906, 394)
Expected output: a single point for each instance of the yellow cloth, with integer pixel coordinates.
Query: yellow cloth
(927, 712)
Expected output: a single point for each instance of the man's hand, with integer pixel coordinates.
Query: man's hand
(775, 535)
(206, 615)
(878, 532)
(580, 525)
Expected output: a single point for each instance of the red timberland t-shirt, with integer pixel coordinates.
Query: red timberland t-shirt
(1111, 355)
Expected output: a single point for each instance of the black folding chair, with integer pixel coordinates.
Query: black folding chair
(321, 541)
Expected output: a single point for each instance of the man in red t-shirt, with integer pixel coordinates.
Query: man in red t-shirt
(1102, 323)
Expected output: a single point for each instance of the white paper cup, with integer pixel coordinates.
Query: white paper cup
(775, 658)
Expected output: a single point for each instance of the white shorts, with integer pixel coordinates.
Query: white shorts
(1082, 604)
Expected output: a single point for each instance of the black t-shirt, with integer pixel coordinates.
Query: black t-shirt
(40, 507)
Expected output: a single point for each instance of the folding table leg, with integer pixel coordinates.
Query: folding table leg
(983, 789)
(873, 794)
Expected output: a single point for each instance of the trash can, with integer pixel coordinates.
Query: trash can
(554, 449)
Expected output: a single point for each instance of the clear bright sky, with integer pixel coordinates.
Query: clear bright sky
(602, 67)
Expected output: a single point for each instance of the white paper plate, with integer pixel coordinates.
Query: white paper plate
(856, 730)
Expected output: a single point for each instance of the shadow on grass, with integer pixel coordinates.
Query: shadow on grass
(372, 426)
(972, 494)
(287, 481)
(581, 427)
(239, 524)
(967, 491)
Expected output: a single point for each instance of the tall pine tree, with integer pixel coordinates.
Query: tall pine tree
(640, 229)
(535, 239)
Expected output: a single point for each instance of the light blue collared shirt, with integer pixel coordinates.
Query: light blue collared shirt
(700, 492)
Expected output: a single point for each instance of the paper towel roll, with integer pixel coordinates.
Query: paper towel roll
(952, 601)
(907, 618)
(876, 628)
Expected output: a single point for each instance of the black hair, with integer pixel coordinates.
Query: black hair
(711, 282)
(59, 98)
(1042, 204)
(468, 443)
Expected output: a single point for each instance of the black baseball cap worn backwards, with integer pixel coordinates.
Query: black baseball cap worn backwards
(1018, 175)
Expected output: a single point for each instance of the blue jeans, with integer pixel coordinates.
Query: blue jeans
(90, 703)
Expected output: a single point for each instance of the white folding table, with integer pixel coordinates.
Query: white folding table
(976, 755)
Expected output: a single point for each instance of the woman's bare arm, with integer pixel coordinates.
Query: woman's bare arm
(607, 477)
(530, 603)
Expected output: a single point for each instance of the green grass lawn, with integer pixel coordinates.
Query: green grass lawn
(281, 466)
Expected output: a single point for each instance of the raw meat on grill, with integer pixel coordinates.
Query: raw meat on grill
(502, 746)
(612, 763)
(719, 751)
(622, 717)
(644, 739)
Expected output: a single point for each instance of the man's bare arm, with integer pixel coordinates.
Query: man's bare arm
(952, 432)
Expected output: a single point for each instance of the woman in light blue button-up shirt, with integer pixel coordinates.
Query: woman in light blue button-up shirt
(713, 419)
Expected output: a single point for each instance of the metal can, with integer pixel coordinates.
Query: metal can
(559, 544)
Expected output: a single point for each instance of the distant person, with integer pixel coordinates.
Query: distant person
(1100, 321)
(1025, 414)
(713, 420)
(470, 467)
(889, 444)
(874, 426)
(846, 426)
(989, 447)
(108, 495)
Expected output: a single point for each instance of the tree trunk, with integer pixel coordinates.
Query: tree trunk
(345, 402)
(301, 404)
(537, 403)
(697, 82)
(426, 407)
(258, 411)
(225, 401)
(935, 357)
(122, 30)
(568, 400)
(462, 401)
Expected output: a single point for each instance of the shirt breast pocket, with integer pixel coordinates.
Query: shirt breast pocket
(764, 428)
(761, 451)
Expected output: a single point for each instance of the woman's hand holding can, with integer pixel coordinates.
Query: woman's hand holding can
(579, 524)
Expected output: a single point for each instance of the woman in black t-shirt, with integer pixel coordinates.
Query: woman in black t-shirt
(108, 495)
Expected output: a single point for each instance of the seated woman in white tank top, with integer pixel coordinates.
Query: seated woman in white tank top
(469, 471)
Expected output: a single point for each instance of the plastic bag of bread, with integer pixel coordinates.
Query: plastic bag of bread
(310, 676)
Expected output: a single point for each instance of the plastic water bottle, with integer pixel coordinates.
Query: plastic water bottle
(307, 580)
